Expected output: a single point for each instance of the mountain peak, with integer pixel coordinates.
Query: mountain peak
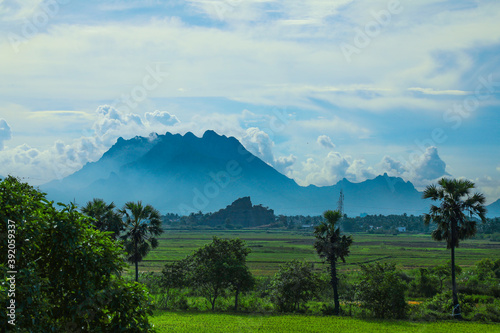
(186, 173)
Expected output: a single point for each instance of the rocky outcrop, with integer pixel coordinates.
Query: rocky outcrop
(241, 212)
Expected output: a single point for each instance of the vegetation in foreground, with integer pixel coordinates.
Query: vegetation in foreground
(68, 274)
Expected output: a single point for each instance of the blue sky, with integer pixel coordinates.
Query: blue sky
(319, 89)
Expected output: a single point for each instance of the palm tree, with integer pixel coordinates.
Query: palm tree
(142, 225)
(105, 216)
(331, 246)
(453, 218)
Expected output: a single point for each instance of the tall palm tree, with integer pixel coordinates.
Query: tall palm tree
(142, 226)
(453, 218)
(332, 245)
(106, 218)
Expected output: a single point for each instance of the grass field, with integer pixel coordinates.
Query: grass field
(218, 322)
(272, 248)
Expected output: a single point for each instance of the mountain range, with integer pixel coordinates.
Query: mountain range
(184, 173)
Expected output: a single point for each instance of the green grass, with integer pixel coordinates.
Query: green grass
(218, 322)
(272, 248)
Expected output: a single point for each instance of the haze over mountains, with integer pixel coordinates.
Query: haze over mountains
(184, 174)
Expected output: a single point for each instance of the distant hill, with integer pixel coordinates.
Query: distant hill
(242, 212)
(184, 174)
(493, 209)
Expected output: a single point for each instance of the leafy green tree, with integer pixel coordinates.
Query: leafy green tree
(443, 272)
(425, 284)
(176, 275)
(220, 266)
(332, 246)
(382, 291)
(241, 281)
(68, 273)
(142, 226)
(293, 285)
(104, 215)
(453, 218)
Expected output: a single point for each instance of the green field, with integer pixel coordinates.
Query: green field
(218, 322)
(272, 248)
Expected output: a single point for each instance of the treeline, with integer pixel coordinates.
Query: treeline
(377, 224)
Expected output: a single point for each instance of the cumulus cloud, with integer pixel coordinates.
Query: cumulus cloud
(260, 144)
(489, 186)
(62, 159)
(326, 171)
(5, 133)
(421, 169)
(284, 163)
(392, 167)
(325, 141)
(161, 117)
(429, 166)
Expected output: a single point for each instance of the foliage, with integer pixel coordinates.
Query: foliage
(331, 245)
(104, 215)
(482, 279)
(293, 285)
(220, 266)
(425, 284)
(382, 291)
(67, 272)
(443, 272)
(142, 226)
(450, 217)
(174, 277)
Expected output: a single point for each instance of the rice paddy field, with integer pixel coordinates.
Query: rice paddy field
(217, 322)
(271, 248)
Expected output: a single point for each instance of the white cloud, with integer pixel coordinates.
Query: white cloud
(428, 167)
(259, 143)
(489, 186)
(62, 159)
(391, 166)
(284, 163)
(325, 141)
(5, 132)
(421, 168)
(430, 91)
(161, 117)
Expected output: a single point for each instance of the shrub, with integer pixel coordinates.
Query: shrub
(382, 291)
(68, 273)
(293, 285)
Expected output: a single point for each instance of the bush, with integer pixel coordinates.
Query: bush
(293, 285)
(68, 273)
(382, 291)
(424, 285)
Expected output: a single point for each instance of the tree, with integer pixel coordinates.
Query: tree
(425, 284)
(142, 226)
(104, 215)
(68, 273)
(443, 272)
(332, 246)
(450, 217)
(219, 266)
(293, 285)
(176, 275)
(382, 291)
(241, 280)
